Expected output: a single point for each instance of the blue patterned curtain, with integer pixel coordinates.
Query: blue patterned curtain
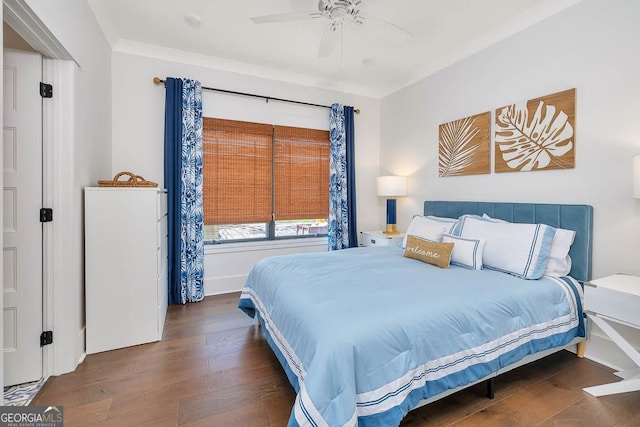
(342, 193)
(351, 175)
(183, 180)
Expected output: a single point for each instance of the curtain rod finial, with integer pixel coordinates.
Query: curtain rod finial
(157, 80)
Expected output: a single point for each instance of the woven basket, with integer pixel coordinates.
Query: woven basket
(132, 181)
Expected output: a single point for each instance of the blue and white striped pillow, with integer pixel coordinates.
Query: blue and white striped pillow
(466, 252)
(518, 249)
(559, 263)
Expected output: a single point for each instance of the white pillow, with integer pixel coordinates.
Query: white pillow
(559, 263)
(442, 219)
(457, 226)
(466, 252)
(518, 249)
(426, 228)
(487, 217)
(559, 260)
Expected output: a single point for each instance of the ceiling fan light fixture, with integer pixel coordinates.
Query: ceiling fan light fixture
(338, 13)
(193, 20)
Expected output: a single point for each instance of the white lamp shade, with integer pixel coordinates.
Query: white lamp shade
(392, 186)
(636, 176)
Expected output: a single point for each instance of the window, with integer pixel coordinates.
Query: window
(263, 181)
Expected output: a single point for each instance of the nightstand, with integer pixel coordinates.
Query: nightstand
(615, 299)
(378, 238)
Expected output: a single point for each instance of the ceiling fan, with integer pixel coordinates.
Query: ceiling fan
(338, 13)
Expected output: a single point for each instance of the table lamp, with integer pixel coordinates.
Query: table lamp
(392, 186)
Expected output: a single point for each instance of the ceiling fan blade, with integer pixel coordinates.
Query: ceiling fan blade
(283, 17)
(398, 33)
(329, 40)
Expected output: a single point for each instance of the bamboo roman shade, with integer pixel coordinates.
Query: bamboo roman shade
(254, 170)
(301, 159)
(237, 171)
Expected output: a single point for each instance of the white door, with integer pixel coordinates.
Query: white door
(22, 198)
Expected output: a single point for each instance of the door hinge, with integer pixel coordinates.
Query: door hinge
(46, 90)
(46, 215)
(46, 338)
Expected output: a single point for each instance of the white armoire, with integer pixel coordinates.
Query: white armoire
(125, 266)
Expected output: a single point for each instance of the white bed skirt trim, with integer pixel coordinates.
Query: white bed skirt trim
(525, 360)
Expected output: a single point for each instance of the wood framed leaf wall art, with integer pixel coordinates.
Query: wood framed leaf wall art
(464, 147)
(537, 134)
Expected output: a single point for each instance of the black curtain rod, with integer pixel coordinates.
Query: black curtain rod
(158, 80)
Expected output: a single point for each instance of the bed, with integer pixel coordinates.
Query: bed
(367, 334)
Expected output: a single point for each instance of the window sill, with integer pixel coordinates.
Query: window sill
(265, 245)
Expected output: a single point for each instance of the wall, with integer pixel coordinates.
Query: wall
(74, 25)
(87, 157)
(138, 138)
(590, 47)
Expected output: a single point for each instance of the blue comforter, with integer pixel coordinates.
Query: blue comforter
(364, 334)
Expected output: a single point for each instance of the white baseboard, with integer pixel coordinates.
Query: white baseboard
(224, 285)
(81, 346)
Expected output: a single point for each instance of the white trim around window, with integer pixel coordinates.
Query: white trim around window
(263, 245)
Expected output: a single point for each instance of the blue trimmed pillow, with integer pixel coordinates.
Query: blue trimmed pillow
(518, 249)
(456, 227)
(559, 263)
(466, 252)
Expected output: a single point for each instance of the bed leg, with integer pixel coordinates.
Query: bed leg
(580, 348)
(490, 387)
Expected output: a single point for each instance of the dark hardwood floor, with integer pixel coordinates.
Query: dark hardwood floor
(214, 368)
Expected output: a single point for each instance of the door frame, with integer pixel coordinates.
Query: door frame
(58, 192)
(58, 139)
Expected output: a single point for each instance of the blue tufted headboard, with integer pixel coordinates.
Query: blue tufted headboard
(571, 217)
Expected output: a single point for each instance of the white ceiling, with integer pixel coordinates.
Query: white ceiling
(374, 60)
